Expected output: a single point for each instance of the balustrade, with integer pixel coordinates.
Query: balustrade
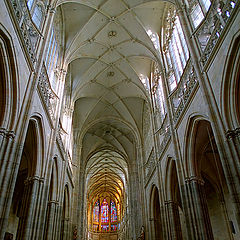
(180, 97)
(27, 29)
(212, 27)
(149, 166)
(49, 97)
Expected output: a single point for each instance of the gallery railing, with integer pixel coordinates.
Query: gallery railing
(210, 30)
(49, 97)
(181, 95)
(28, 32)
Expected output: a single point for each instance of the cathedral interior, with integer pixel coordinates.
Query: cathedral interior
(119, 120)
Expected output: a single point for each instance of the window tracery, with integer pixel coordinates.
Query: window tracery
(157, 92)
(51, 60)
(36, 9)
(198, 10)
(175, 49)
(113, 212)
(104, 212)
(105, 216)
(37, 15)
(96, 212)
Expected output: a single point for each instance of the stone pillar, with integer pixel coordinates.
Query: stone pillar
(175, 231)
(49, 232)
(65, 229)
(58, 221)
(198, 218)
(233, 138)
(38, 225)
(228, 156)
(28, 210)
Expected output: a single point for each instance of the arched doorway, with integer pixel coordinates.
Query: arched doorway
(176, 217)
(213, 192)
(8, 89)
(51, 221)
(64, 231)
(21, 215)
(156, 224)
(231, 87)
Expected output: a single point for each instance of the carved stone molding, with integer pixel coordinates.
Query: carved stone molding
(233, 133)
(49, 97)
(28, 31)
(213, 26)
(7, 133)
(185, 88)
(194, 179)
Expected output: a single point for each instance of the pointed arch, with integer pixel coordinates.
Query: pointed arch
(191, 168)
(155, 214)
(230, 95)
(8, 82)
(38, 137)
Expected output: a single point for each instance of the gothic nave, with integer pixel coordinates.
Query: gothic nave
(119, 120)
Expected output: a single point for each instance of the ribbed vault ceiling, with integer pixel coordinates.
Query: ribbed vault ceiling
(106, 174)
(109, 53)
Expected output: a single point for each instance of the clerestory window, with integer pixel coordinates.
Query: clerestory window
(198, 10)
(105, 216)
(36, 10)
(51, 60)
(175, 49)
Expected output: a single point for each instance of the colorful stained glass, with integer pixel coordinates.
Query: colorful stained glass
(105, 228)
(104, 212)
(113, 212)
(95, 227)
(96, 212)
(114, 227)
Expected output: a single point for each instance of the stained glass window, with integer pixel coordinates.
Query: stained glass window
(176, 52)
(104, 212)
(114, 227)
(96, 212)
(95, 227)
(105, 228)
(113, 212)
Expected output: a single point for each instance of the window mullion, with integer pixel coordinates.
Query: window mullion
(178, 51)
(174, 67)
(182, 41)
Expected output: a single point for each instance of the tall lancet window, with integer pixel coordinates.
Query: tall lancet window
(175, 48)
(198, 10)
(113, 212)
(104, 212)
(37, 15)
(96, 212)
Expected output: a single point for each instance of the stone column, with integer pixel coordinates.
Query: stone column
(49, 231)
(233, 138)
(65, 228)
(37, 223)
(174, 220)
(229, 159)
(58, 221)
(198, 217)
(28, 211)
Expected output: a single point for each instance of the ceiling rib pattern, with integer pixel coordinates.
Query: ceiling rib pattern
(109, 56)
(108, 52)
(107, 175)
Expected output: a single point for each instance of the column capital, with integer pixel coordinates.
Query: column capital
(7, 133)
(30, 180)
(233, 133)
(195, 179)
(169, 202)
(51, 8)
(53, 202)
